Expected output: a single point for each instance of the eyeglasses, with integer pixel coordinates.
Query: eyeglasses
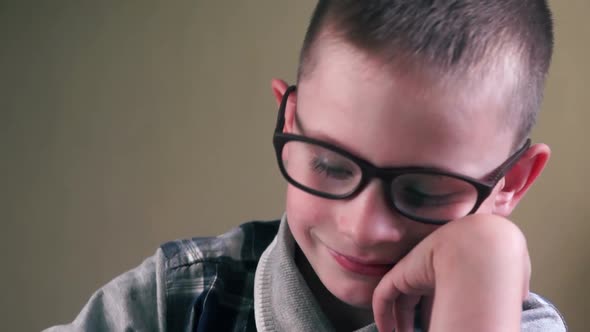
(426, 195)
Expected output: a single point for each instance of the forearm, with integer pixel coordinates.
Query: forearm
(481, 280)
(468, 305)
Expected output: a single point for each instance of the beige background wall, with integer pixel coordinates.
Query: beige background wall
(125, 124)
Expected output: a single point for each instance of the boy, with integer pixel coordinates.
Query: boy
(405, 148)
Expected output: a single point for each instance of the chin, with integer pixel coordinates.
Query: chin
(356, 293)
(362, 302)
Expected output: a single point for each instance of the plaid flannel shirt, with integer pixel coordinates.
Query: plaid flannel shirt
(207, 284)
(218, 293)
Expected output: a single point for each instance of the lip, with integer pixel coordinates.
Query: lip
(360, 266)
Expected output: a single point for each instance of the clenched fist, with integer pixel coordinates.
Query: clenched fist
(471, 274)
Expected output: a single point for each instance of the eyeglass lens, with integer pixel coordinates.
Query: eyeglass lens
(421, 195)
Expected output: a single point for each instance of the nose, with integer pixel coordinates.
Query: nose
(368, 220)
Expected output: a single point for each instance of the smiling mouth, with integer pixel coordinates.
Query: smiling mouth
(360, 267)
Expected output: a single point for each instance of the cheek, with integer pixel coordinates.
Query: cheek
(486, 207)
(418, 231)
(305, 210)
(303, 215)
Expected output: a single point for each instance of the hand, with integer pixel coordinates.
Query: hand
(480, 269)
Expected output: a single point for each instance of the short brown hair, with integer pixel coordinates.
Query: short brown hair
(451, 36)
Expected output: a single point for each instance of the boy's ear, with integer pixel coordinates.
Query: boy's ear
(520, 178)
(279, 87)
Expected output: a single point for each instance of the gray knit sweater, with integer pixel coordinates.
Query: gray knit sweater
(283, 302)
(244, 280)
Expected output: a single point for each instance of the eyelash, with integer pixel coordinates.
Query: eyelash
(333, 172)
(434, 199)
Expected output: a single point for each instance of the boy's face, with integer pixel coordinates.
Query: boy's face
(392, 120)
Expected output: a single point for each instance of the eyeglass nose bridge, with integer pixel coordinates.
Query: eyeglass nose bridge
(385, 178)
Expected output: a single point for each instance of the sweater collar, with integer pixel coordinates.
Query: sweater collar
(282, 299)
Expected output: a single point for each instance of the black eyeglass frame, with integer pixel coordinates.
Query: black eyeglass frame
(386, 175)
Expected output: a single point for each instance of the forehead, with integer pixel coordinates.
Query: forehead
(402, 116)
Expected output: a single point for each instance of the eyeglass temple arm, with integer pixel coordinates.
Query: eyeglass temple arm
(283, 106)
(508, 164)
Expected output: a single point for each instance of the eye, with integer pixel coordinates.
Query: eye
(415, 197)
(320, 165)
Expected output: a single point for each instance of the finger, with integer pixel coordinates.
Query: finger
(426, 304)
(383, 310)
(405, 310)
(412, 276)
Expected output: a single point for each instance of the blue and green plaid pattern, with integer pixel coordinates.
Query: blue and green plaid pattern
(210, 281)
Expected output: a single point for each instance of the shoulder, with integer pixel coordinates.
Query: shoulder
(128, 302)
(244, 243)
(539, 314)
(212, 278)
(168, 288)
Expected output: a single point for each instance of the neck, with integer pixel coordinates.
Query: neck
(343, 316)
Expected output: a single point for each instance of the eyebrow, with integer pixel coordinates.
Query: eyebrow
(330, 140)
(319, 136)
(325, 138)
